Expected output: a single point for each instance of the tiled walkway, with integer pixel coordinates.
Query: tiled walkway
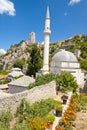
(55, 123)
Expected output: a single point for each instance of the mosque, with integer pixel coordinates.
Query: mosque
(62, 60)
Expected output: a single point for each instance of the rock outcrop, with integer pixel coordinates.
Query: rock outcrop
(17, 51)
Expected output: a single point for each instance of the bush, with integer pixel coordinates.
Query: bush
(65, 81)
(4, 72)
(23, 110)
(43, 79)
(5, 118)
(58, 107)
(39, 109)
(17, 77)
(42, 108)
(19, 63)
(21, 126)
(5, 81)
(50, 118)
(2, 126)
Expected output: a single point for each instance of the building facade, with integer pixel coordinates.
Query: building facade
(67, 61)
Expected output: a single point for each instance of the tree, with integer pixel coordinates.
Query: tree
(35, 61)
(19, 63)
(65, 81)
(1, 67)
(83, 64)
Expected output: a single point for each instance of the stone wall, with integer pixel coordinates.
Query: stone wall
(32, 95)
(16, 89)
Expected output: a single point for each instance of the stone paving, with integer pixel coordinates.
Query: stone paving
(55, 123)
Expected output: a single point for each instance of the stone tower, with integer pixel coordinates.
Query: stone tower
(47, 33)
(32, 37)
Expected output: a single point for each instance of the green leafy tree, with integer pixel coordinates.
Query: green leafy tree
(65, 81)
(1, 67)
(35, 61)
(83, 64)
(19, 63)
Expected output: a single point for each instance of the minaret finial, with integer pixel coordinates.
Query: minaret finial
(48, 13)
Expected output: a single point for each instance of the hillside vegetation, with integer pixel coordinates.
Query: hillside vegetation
(20, 53)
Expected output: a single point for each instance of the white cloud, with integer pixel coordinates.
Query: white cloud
(6, 6)
(72, 2)
(65, 14)
(42, 42)
(2, 51)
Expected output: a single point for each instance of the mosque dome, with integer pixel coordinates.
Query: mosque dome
(64, 56)
(64, 61)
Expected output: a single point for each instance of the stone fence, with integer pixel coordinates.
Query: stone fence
(32, 95)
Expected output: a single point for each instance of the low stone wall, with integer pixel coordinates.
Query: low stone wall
(32, 95)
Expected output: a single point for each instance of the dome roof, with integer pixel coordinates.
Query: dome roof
(65, 56)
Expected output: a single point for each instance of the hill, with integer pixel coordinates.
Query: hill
(22, 50)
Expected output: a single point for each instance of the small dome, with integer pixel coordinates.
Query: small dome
(65, 56)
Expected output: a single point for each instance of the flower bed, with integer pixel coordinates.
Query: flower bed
(69, 116)
(37, 124)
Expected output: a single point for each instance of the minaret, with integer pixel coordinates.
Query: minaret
(47, 33)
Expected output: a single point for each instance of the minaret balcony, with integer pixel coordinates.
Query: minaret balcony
(47, 31)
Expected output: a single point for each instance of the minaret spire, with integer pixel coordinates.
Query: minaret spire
(47, 33)
(48, 13)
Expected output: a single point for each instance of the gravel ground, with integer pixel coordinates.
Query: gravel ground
(81, 121)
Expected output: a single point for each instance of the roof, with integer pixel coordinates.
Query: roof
(15, 73)
(15, 69)
(3, 76)
(22, 82)
(65, 56)
(3, 86)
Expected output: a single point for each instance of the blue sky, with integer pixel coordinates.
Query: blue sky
(20, 17)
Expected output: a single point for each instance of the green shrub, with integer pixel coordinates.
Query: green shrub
(19, 63)
(5, 118)
(3, 72)
(5, 81)
(21, 126)
(42, 108)
(25, 111)
(17, 77)
(43, 79)
(50, 118)
(65, 81)
(58, 107)
(2, 126)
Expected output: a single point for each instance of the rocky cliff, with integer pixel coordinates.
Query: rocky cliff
(17, 51)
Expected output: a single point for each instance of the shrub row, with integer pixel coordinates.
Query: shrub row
(64, 81)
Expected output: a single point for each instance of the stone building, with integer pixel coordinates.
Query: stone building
(77, 53)
(32, 38)
(20, 85)
(15, 72)
(67, 61)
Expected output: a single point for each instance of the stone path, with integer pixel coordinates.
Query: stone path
(55, 123)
